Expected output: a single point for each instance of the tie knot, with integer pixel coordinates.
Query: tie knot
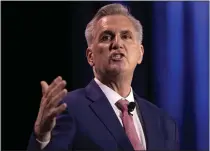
(122, 105)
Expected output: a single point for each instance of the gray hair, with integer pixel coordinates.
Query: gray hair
(112, 9)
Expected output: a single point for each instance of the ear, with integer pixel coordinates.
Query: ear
(89, 55)
(141, 49)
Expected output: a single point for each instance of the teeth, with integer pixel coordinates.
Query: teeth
(117, 56)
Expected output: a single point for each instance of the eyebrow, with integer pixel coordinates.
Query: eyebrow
(109, 32)
(126, 32)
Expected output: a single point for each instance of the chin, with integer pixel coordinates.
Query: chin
(116, 70)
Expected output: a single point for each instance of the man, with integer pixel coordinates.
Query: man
(101, 115)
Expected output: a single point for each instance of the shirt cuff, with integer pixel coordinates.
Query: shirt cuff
(42, 144)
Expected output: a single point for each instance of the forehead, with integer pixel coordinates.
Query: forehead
(114, 23)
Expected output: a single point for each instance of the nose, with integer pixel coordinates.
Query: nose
(117, 43)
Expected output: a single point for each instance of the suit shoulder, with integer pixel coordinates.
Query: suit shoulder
(74, 95)
(154, 109)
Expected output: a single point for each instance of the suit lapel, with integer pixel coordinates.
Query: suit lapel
(151, 125)
(104, 111)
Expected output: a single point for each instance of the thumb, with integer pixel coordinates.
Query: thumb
(44, 86)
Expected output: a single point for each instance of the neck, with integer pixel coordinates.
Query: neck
(121, 85)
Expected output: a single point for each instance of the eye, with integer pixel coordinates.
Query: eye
(126, 36)
(106, 37)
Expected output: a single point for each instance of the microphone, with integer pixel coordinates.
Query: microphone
(131, 107)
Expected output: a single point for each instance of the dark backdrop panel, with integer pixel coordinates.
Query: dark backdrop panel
(41, 40)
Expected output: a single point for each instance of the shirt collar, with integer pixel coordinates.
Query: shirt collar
(113, 96)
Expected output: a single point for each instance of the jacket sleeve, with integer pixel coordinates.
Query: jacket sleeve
(61, 138)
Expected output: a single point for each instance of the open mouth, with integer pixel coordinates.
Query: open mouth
(117, 56)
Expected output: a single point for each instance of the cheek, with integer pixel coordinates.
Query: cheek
(101, 53)
(102, 49)
(134, 54)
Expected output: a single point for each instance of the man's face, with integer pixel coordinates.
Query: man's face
(115, 48)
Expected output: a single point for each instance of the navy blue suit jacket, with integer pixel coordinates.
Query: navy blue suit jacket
(90, 123)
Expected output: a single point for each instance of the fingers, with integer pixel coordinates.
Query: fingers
(58, 110)
(49, 109)
(57, 98)
(61, 108)
(53, 93)
(59, 87)
(53, 85)
(44, 86)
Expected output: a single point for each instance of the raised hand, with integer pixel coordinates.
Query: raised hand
(49, 108)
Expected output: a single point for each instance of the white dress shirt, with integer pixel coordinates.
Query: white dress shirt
(113, 97)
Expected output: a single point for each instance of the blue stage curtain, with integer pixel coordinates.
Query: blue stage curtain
(181, 67)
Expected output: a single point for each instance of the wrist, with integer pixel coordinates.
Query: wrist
(43, 137)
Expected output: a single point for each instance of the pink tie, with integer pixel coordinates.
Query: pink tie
(128, 124)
